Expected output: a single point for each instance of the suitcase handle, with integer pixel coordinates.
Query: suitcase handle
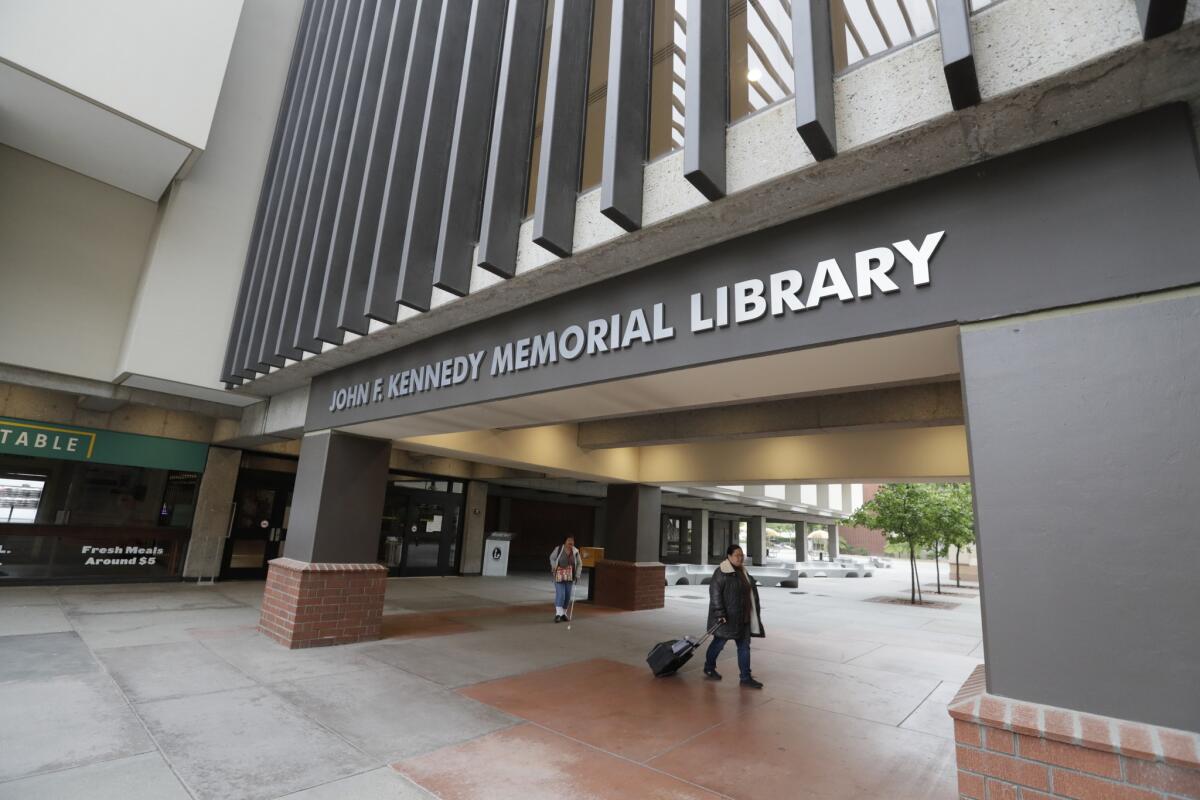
(707, 634)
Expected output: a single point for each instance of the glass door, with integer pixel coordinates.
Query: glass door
(420, 532)
(262, 506)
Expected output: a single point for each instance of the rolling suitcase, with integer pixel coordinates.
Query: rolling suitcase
(667, 658)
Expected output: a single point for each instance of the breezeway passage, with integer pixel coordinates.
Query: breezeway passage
(165, 692)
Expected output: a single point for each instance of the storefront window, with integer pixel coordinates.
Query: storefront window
(83, 520)
(20, 497)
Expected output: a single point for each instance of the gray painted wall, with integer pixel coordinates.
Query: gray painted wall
(337, 506)
(1052, 226)
(1084, 432)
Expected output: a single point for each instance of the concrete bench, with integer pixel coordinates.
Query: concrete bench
(701, 574)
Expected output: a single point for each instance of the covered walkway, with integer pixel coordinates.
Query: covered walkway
(168, 691)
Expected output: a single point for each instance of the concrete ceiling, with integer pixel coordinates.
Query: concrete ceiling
(47, 121)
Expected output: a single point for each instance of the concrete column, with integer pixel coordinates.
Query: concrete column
(337, 508)
(214, 509)
(328, 588)
(834, 547)
(704, 536)
(1083, 429)
(631, 576)
(847, 498)
(471, 560)
(756, 540)
(823, 495)
(792, 492)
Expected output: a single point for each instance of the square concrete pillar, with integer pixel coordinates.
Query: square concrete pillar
(214, 507)
(1084, 431)
(475, 511)
(631, 575)
(756, 540)
(823, 495)
(328, 589)
(835, 548)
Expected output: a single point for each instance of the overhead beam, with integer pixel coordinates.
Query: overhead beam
(627, 112)
(428, 191)
(706, 98)
(894, 407)
(459, 229)
(392, 16)
(263, 356)
(302, 226)
(259, 298)
(353, 316)
(958, 58)
(1158, 17)
(440, 26)
(561, 154)
(239, 328)
(316, 250)
(512, 138)
(812, 50)
(918, 454)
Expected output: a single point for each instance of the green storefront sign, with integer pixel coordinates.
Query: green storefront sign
(72, 443)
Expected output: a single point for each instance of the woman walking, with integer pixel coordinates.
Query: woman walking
(565, 566)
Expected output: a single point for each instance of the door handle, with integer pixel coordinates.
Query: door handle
(232, 517)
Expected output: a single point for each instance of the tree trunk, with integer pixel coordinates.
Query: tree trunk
(912, 575)
(957, 567)
(937, 564)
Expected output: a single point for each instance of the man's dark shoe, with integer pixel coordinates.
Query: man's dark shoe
(558, 618)
(712, 674)
(750, 683)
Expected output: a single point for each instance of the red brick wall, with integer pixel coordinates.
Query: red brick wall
(1011, 749)
(313, 605)
(630, 586)
(873, 541)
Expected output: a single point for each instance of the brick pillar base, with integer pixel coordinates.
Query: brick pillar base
(1025, 751)
(631, 586)
(313, 605)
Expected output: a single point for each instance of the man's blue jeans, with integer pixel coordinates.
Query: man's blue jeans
(562, 593)
(743, 653)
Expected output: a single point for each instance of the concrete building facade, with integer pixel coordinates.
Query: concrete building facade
(372, 279)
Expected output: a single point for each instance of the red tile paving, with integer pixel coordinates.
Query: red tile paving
(528, 762)
(617, 707)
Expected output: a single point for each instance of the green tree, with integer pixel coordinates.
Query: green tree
(959, 522)
(904, 512)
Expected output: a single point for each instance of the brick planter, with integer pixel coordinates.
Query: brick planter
(1025, 751)
(630, 586)
(313, 605)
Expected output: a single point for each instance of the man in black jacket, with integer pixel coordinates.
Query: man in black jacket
(734, 609)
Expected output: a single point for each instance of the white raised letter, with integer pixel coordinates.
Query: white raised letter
(784, 288)
(748, 302)
(872, 268)
(699, 321)
(919, 258)
(828, 282)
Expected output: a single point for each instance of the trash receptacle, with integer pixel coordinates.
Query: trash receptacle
(495, 554)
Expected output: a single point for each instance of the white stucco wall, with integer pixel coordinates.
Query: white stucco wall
(185, 302)
(159, 63)
(71, 251)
